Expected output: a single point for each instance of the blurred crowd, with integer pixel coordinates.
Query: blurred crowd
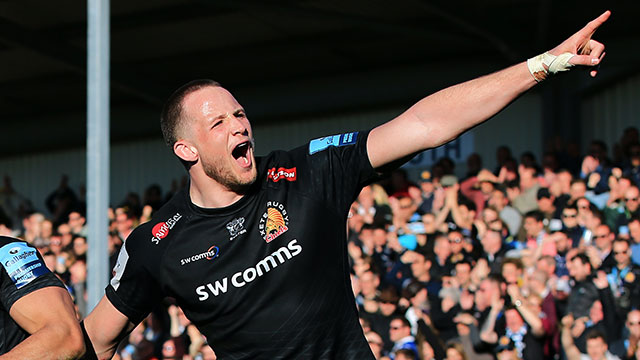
(530, 260)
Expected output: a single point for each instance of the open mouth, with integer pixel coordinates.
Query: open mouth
(241, 154)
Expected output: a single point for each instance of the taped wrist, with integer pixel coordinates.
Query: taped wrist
(544, 64)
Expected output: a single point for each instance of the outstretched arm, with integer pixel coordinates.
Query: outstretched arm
(49, 316)
(106, 326)
(445, 115)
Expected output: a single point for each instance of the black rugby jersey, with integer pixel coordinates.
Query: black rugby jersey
(266, 277)
(22, 272)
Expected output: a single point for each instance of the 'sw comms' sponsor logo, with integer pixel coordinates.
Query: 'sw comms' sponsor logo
(274, 222)
(242, 278)
(282, 173)
(161, 229)
(210, 254)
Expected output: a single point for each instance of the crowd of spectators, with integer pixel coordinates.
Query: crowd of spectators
(530, 260)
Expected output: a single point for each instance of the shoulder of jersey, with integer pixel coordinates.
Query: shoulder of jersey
(160, 229)
(4, 240)
(283, 167)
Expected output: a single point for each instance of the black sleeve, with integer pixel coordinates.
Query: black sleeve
(338, 167)
(132, 289)
(433, 340)
(612, 322)
(23, 271)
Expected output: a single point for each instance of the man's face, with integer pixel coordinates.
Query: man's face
(621, 253)
(632, 199)
(545, 204)
(219, 132)
(561, 240)
(455, 241)
(463, 273)
(489, 215)
(596, 348)
(532, 226)
(570, 218)
(429, 221)
(633, 323)
(368, 284)
(497, 199)
(491, 242)
(484, 294)
(513, 319)
(578, 270)
(595, 312)
(398, 330)
(442, 248)
(603, 237)
(577, 190)
(511, 273)
(634, 230)
(420, 266)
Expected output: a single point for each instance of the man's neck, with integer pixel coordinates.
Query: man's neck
(621, 266)
(205, 192)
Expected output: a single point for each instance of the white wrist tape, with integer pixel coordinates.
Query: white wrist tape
(544, 64)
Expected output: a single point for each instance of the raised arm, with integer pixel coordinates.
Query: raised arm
(49, 316)
(445, 115)
(105, 326)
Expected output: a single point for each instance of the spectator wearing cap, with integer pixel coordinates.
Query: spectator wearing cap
(400, 334)
(427, 189)
(624, 278)
(570, 224)
(512, 217)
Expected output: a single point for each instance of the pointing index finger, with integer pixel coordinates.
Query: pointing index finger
(594, 24)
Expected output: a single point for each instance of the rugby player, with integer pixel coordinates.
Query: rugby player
(254, 250)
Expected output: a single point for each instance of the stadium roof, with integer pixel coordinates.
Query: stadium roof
(249, 45)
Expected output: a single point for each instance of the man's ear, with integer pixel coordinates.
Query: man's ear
(185, 151)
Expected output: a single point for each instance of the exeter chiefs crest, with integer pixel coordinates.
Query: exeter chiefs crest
(274, 222)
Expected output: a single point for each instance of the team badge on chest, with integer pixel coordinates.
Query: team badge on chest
(236, 227)
(274, 222)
